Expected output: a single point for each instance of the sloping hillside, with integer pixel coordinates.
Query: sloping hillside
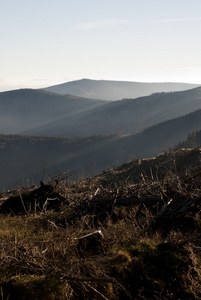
(128, 116)
(175, 161)
(115, 90)
(26, 108)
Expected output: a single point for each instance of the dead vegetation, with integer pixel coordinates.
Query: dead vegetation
(124, 239)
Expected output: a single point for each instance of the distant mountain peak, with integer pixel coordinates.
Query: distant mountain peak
(115, 90)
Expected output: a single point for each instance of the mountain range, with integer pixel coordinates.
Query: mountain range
(128, 116)
(115, 90)
(37, 112)
(92, 135)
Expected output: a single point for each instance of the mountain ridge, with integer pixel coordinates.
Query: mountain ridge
(116, 90)
(128, 115)
(26, 108)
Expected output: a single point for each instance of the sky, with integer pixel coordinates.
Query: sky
(47, 42)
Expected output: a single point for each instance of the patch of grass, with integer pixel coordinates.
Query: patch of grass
(143, 248)
(10, 226)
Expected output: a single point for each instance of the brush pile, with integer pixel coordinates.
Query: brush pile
(106, 238)
(37, 200)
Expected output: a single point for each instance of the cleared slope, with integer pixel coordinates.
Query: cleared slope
(115, 90)
(128, 116)
(27, 108)
(155, 167)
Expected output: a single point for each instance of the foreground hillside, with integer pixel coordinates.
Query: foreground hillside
(115, 90)
(108, 236)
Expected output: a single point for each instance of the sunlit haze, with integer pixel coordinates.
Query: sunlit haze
(47, 42)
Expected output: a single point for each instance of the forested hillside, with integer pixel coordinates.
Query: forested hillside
(193, 140)
(23, 158)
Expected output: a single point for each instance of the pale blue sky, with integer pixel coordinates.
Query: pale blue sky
(45, 42)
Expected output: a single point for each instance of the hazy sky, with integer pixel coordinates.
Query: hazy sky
(45, 42)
